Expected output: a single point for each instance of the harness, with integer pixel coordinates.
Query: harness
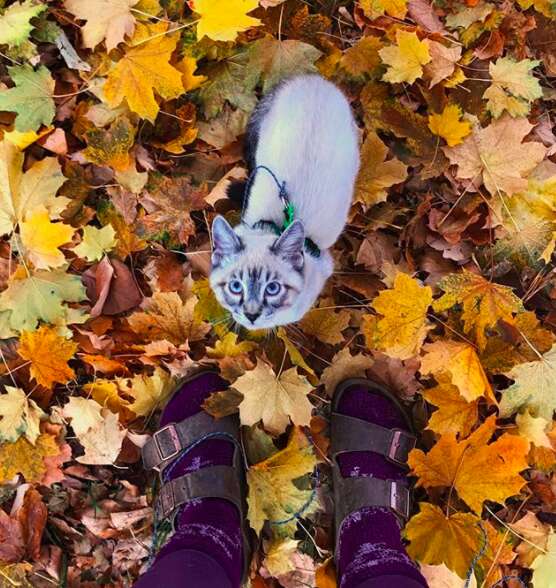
(289, 211)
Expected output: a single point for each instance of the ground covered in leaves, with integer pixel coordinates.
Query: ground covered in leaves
(121, 124)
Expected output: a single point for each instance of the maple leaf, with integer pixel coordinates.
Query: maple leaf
(28, 459)
(295, 354)
(222, 20)
(278, 559)
(460, 363)
(405, 60)
(403, 326)
(534, 387)
(447, 125)
(49, 354)
(456, 463)
(20, 415)
(343, 366)
(483, 303)
(229, 346)
(443, 62)
(150, 393)
(271, 60)
(274, 400)
(325, 324)
(21, 193)
(108, 20)
(166, 316)
(513, 86)
(41, 239)
(109, 394)
(31, 98)
(96, 242)
(209, 309)
(535, 535)
(376, 8)
(190, 81)
(85, 414)
(142, 70)
(544, 565)
(497, 157)
(454, 415)
(15, 25)
(102, 443)
(272, 494)
(111, 146)
(362, 58)
(40, 297)
(376, 174)
(439, 539)
(533, 429)
(12, 545)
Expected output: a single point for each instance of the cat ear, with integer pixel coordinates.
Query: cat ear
(289, 244)
(225, 241)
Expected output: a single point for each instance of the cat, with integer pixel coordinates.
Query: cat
(302, 149)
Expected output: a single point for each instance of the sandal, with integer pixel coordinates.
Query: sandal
(217, 481)
(353, 434)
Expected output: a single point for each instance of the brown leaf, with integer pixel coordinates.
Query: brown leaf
(32, 516)
(12, 543)
(223, 403)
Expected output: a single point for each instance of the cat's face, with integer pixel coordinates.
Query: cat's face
(257, 276)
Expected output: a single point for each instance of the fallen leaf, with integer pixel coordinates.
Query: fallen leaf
(544, 564)
(376, 8)
(278, 559)
(31, 98)
(325, 324)
(143, 69)
(535, 537)
(443, 62)
(497, 157)
(150, 393)
(85, 414)
(222, 20)
(404, 325)
(440, 576)
(106, 20)
(405, 60)
(103, 442)
(376, 174)
(12, 545)
(448, 125)
(362, 58)
(456, 463)
(96, 242)
(483, 303)
(32, 515)
(274, 400)
(48, 354)
(455, 415)
(533, 429)
(272, 494)
(436, 538)
(15, 23)
(111, 146)
(343, 366)
(20, 416)
(223, 403)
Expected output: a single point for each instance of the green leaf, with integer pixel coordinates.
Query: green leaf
(15, 24)
(95, 242)
(31, 98)
(40, 297)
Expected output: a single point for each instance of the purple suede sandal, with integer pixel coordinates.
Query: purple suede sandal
(176, 442)
(351, 435)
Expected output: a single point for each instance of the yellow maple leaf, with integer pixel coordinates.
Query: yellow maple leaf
(23, 457)
(362, 58)
(102, 443)
(144, 69)
(457, 463)
(278, 556)
(376, 174)
(454, 415)
(150, 393)
(48, 353)
(96, 242)
(443, 62)
(166, 316)
(190, 81)
(403, 326)
(41, 238)
(405, 60)
(484, 303)
(439, 539)
(85, 414)
(111, 146)
(222, 20)
(533, 429)
(274, 400)
(460, 363)
(272, 494)
(229, 346)
(448, 125)
(108, 394)
(22, 193)
(375, 8)
(325, 323)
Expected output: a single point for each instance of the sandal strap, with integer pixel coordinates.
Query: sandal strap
(353, 494)
(170, 440)
(218, 481)
(353, 434)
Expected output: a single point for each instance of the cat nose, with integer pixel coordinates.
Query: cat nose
(253, 316)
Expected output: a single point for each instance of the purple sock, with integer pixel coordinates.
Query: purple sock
(210, 525)
(370, 540)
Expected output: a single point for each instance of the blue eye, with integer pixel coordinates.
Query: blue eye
(273, 288)
(235, 287)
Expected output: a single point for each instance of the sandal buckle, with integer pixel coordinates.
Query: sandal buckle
(166, 501)
(167, 442)
(400, 446)
(399, 499)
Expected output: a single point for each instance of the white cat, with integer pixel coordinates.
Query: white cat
(301, 137)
